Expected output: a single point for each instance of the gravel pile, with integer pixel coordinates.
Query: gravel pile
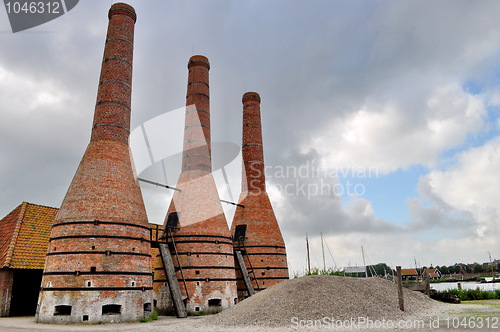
(316, 297)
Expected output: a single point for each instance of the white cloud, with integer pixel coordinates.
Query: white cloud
(472, 185)
(31, 108)
(389, 136)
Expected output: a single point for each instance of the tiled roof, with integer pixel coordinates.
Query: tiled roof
(9, 228)
(432, 273)
(409, 272)
(25, 232)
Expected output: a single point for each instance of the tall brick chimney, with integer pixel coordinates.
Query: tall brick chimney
(98, 265)
(255, 229)
(195, 219)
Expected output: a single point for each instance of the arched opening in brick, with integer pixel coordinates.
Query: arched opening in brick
(214, 302)
(240, 232)
(111, 309)
(172, 222)
(62, 310)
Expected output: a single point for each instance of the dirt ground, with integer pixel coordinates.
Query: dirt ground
(468, 316)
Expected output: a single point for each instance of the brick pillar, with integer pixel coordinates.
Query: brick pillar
(252, 149)
(200, 230)
(6, 283)
(196, 148)
(255, 229)
(112, 110)
(98, 265)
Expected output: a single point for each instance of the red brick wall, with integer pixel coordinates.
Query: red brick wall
(252, 149)
(6, 282)
(196, 151)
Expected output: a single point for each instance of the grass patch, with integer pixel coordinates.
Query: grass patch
(493, 303)
(475, 294)
(153, 316)
(328, 272)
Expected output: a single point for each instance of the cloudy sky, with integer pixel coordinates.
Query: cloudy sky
(380, 118)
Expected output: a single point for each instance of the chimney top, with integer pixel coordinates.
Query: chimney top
(251, 96)
(199, 60)
(121, 8)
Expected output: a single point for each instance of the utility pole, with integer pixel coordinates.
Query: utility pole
(400, 288)
(492, 269)
(416, 268)
(364, 263)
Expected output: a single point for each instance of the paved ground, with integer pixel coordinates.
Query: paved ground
(469, 316)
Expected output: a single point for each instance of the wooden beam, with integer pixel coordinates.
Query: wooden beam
(244, 273)
(173, 284)
(400, 288)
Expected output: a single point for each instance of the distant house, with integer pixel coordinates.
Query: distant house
(355, 271)
(409, 274)
(433, 273)
(24, 239)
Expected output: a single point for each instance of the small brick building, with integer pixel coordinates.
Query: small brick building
(24, 238)
(24, 241)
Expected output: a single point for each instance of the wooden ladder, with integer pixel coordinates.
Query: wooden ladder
(244, 273)
(173, 284)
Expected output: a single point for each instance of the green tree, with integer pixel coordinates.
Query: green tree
(454, 269)
(478, 268)
(443, 269)
(380, 269)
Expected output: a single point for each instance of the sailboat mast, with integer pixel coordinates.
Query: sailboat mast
(323, 252)
(493, 274)
(308, 257)
(364, 262)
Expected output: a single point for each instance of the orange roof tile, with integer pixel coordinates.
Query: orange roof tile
(409, 272)
(431, 272)
(30, 239)
(9, 228)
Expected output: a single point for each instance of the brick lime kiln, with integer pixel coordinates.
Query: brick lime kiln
(98, 265)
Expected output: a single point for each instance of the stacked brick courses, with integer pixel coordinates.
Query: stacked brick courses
(6, 283)
(202, 237)
(262, 241)
(98, 265)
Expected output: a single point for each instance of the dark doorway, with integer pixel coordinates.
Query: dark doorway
(240, 232)
(214, 302)
(172, 222)
(25, 292)
(111, 309)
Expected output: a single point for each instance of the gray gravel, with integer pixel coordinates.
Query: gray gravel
(317, 297)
